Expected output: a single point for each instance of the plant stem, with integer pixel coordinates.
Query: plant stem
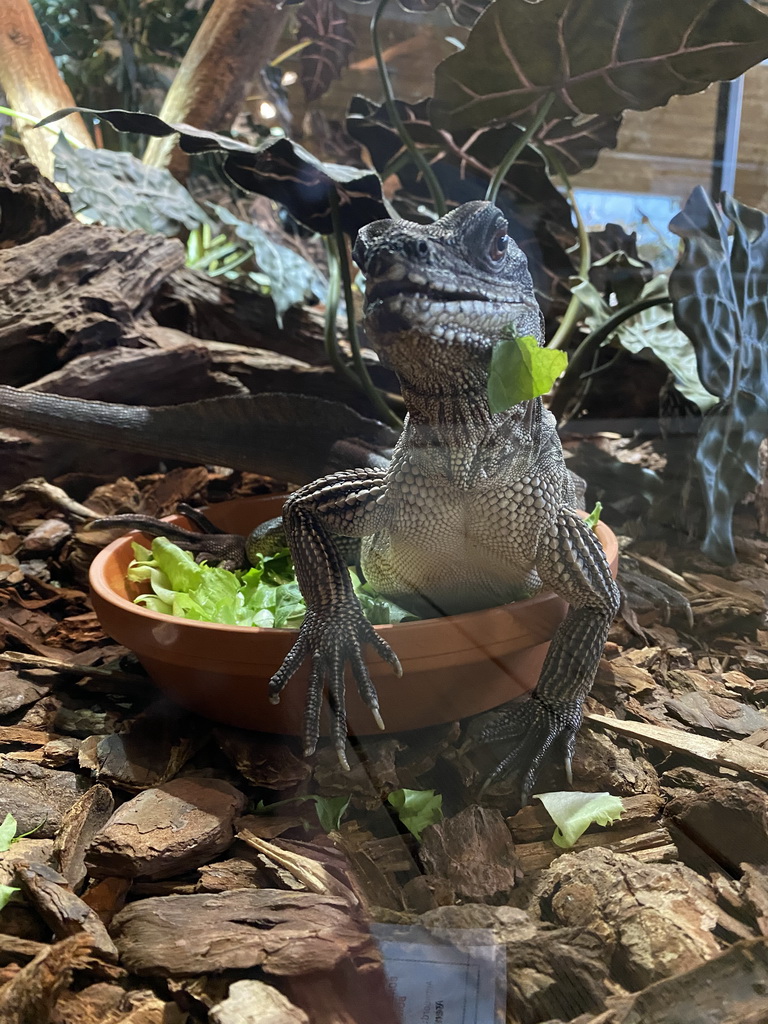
(75, 143)
(516, 149)
(573, 312)
(591, 343)
(290, 52)
(417, 156)
(332, 352)
(361, 370)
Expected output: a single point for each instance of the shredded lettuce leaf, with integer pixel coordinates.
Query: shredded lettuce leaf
(265, 595)
(573, 813)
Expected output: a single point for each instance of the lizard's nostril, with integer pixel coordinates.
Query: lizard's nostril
(422, 248)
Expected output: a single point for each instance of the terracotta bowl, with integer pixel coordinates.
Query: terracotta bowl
(452, 667)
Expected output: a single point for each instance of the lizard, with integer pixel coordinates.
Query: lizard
(475, 508)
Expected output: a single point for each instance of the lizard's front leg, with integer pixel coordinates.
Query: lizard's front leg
(334, 631)
(572, 563)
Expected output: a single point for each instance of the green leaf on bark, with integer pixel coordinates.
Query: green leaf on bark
(597, 56)
(520, 370)
(6, 891)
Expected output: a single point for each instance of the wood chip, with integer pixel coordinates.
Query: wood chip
(282, 932)
(736, 754)
(30, 996)
(254, 1002)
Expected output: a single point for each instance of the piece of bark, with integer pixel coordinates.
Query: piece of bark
(106, 897)
(728, 819)
(653, 919)
(372, 773)
(207, 307)
(474, 851)
(261, 759)
(30, 204)
(254, 1002)
(282, 932)
(651, 846)
(96, 1004)
(17, 692)
(713, 713)
(232, 873)
(605, 765)
(153, 748)
(16, 950)
(729, 989)
(738, 755)
(84, 819)
(63, 911)
(167, 830)
(37, 796)
(30, 996)
(26, 849)
(755, 885)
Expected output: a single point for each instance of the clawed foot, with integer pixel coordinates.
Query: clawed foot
(227, 550)
(531, 728)
(332, 638)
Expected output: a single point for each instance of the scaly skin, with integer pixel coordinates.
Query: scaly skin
(475, 509)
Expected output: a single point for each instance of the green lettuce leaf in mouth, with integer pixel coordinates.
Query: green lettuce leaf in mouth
(265, 595)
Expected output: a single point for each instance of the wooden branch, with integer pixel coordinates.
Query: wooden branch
(32, 83)
(235, 41)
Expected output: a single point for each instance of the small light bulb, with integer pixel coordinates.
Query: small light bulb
(268, 110)
(288, 79)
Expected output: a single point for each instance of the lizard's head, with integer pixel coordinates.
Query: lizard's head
(439, 295)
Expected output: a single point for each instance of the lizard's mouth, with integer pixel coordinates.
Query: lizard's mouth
(386, 289)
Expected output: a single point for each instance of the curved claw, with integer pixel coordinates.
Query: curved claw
(334, 639)
(533, 727)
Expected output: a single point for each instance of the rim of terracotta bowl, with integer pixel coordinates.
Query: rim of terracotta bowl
(98, 581)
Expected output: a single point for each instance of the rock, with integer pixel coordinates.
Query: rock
(48, 536)
(254, 1002)
(16, 692)
(165, 831)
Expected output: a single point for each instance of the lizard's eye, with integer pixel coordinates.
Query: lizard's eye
(498, 246)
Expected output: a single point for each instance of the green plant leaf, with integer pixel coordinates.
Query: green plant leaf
(520, 370)
(117, 189)
(652, 329)
(293, 280)
(594, 516)
(6, 891)
(7, 832)
(330, 810)
(720, 301)
(597, 56)
(275, 167)
(573, 813)
(417, 808)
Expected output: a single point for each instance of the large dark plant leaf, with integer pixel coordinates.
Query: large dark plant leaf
(720, 293)
(539, 216)
(578, 142)
(276, 167)
(598, 56)
(328, 53)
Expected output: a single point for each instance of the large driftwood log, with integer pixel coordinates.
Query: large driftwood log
(80, 289)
